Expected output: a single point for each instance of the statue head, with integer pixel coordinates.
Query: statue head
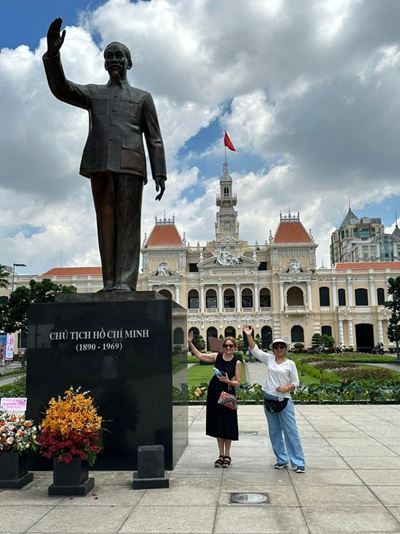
(117, 60)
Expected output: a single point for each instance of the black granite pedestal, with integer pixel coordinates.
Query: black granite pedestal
(120, 347)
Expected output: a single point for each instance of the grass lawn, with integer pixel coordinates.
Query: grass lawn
(199, 374)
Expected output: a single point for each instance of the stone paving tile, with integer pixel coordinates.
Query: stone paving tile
(67, 519)
(325, 477)
(178, 495)
(336, 495)
(371, 519)
(378, 477)
(259, 519)
(388, 495)
(376, 462)
(174, 520)
(19, 518)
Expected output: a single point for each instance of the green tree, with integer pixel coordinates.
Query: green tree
(317, 342)
(13, 314)
(328, 341)
(394, 305)
(4, 274)
(199, 343)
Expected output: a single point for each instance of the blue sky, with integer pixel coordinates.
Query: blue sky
(306, 89)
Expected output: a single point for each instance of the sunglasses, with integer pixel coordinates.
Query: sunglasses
(279, 346)
(228, 346)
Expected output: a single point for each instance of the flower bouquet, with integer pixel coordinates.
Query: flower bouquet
(70, 428)
(17, 434)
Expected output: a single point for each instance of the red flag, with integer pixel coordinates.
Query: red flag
(228, 143)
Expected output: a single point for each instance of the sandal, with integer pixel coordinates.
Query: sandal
(219, 462)
(227, 462)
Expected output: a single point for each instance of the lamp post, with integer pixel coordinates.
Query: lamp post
(13, 273)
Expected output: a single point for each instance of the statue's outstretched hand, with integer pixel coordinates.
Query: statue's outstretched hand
(160, 186)
(54, 39)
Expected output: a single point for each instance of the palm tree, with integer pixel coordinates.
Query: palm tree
(4, 274)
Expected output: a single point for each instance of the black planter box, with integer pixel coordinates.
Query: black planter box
(71, 479)
(13, 470)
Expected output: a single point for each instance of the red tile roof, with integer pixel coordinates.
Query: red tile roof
(376, 265)
(164, 235)
(72, 271)
(291, 232)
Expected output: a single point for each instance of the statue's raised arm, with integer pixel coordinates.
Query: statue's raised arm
(55, 38)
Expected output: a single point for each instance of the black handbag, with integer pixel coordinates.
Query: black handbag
(275, 406)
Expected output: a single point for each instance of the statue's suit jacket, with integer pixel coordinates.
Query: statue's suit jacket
(119, 116)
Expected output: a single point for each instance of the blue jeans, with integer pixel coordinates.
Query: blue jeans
(284, 435)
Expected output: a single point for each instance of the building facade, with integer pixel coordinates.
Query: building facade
(274, 286)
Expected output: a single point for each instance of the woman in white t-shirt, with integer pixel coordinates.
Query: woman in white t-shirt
(281, 379)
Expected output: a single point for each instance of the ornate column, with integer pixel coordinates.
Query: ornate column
(281, 297)
(220, 298)
(351, 336)
(380, 331)
(256, 298)
(372, 299)
(238, 298)
(177, 294)
(341, 333)
(202, 298)
(350, 296)
(334, 294)
(309, 296)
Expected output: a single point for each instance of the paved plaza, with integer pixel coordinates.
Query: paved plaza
(352, 484)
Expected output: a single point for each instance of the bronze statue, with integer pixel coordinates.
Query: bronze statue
(113, 158)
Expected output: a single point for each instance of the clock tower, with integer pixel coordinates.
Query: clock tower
(226, 225)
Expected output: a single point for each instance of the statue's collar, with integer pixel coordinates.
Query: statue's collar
(119, 83)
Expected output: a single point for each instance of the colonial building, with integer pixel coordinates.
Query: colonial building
(275, 286)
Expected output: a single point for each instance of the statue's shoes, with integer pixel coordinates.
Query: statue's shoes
(121, 287)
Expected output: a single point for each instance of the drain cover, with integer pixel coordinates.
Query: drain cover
(250, 498)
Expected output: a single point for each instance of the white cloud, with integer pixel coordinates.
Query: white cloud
(311, 88)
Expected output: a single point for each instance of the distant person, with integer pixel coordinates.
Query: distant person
(221, 422)
(280, 381)
(120, 116)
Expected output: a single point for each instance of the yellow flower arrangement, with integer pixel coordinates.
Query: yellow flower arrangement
(71, 427)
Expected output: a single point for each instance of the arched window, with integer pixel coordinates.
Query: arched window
(297, 334)
(211, 332)
(342, 297)
(226, 192)
(295, 297)
(178, 336)
(230, 332)
(361, 297)
(265, 298)
(229, 299)
(196, 331)
(326, 330)
(193, 299)
(266, 337)
(211, 299)
(380, 293)
(166, 293)
(247, 298)
(324, 296)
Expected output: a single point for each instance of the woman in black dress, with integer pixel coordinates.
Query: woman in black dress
(221, 422)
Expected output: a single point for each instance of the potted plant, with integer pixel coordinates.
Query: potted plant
(70, 433)
(17, 436)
